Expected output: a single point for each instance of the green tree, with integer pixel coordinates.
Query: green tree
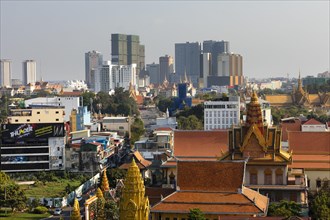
(189, 123)
(111, 210)
(137, 130)
(114, 175)
(10, 193)
(284, 209)
(196, 214)
(164, 104)
(88, 98)
(320, 205)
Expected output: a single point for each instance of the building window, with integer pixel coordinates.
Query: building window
(279, 177)
(278, 197)
(253, 177)
(57, 119)
(57, 112)
(27, 120)
(38, 113)
(268, 177)
(318, 183)
(16, 120)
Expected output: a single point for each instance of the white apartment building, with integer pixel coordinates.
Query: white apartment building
(108, 77)
(221, 114)
(29, 72)
(5, 73)
(69, 103)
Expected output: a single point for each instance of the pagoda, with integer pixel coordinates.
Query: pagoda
(133, 203)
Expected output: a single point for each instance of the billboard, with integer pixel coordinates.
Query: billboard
(37, 130)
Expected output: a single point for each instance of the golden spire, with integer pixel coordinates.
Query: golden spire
(105, 182)
(76, 211)
(133, 203)
(254, 115)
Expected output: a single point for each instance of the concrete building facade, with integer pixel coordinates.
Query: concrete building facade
(221, 114)
(127, 50)
(165, 67)
(187, 60)
(93, 59)
(215, 48)
(29, 72)
(5, 73)
(154, 73)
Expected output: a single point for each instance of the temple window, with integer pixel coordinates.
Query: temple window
(253, 177)
(318, 183)
(268, 177)
(279, 177)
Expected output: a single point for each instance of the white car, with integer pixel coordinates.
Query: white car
(57, 211)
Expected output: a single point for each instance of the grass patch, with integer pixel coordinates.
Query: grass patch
(21, 215)
(49, 189)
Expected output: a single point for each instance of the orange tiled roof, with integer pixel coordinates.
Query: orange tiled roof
(312, 121)
(311, 162)
(296, 126)
(163, 129)
(206, 175)
(140, 161)
(200, 143)
(71, 94)
(208, 203)
(155, 194)
(309, 142)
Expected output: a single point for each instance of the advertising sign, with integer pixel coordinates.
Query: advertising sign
(18, 131)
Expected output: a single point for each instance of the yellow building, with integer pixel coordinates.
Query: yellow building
(36, 115)
(133, 203)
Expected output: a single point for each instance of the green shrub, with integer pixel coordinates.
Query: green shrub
(40, 210)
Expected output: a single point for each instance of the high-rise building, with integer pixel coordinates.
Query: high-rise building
(206, 69)
(108, 77)
(153, 70)
(215, 48)
(165, 67)
(29, 72)
(127, 50)
(93, 59)
(231, 65)
(187, 60)
(5, 73)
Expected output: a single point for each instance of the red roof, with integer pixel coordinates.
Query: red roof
(290, 126)
(312, 121)
(309, 142)
(206, 175)
(200, 143)
(163, 129)
(155, 194)
(311, 162)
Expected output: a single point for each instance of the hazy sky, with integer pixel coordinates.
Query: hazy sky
(274, 37)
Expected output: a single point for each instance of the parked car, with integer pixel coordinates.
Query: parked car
(57, 211)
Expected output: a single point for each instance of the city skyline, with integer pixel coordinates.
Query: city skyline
(274, 38)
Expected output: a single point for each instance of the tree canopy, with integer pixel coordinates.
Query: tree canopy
(10, 193)
(284, 209)
(196, 214)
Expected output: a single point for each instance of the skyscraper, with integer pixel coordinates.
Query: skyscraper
(206, 69)
(29, 72)
(215, 48)
(165, 67)
(5, 73)
(93, 59)
(187, 60)
(153, 70)
(127, 50)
